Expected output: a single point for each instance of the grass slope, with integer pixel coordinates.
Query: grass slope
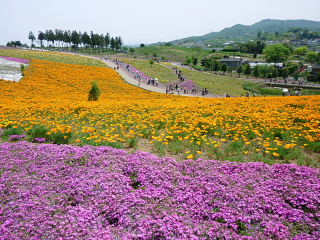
(157, 70)
(170, 53)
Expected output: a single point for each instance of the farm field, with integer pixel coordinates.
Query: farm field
(136, 164)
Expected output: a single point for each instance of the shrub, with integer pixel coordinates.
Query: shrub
(12, 131)
(22, 68)
(60, 138)
(95, 92)
(38, 131)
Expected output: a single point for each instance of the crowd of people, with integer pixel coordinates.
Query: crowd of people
(179, 74)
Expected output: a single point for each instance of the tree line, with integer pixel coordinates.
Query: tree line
(66, 38)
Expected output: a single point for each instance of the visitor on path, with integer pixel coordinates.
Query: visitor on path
(247, 94)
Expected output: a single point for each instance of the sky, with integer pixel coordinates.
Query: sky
(144, 21)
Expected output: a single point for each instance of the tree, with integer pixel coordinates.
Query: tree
(112, 43)
(107, 40)
(313, 57)
(276, 53)
(94, 92)
(142, 45)
(67, 37)
(194, 60)
(51, 37)
(41, 38)
(223, 68)
(14, 44)
(256, 71)
(239, 70)
(247, 69)
(31, 37)
(119, 42)
(284, 72)
(215, 66)
(75, 38)
(86, 40)
(151, 62)
(301, 51)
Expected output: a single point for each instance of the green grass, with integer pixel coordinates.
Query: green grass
(51, 56)
(259, 90)
(169, 53)
(157, 70)
(216, 84)
(268, 91)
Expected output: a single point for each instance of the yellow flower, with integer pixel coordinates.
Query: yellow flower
(275, 154)
(190, 156)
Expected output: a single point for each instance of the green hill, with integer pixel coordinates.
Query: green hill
(240, 31)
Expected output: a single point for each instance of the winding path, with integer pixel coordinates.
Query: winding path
(127, 76)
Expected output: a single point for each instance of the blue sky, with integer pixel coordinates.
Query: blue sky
(146, 21)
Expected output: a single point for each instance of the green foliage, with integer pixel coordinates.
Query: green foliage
(313, 57)
(223, 68)
(301, 51)
(260, 90)
(151, 62)
(94, 92)
(12, 131)
(246, 69)
(22, 68)
(38, 131)
(239, 70)
(276, 53)
(133, 142)
(255, 47)
(256, 71)
(59, 137)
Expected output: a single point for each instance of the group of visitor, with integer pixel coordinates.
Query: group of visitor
(205, 91)
(153, 81)
(179, 74)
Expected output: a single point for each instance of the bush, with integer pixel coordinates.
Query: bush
(22, 68)
(38, 131)
(255, 88)
(12, 131)
(94, 93)
(60, 138)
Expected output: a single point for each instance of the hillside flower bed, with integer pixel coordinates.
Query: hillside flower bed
(69, 192)
(51, 102)
(18, 60)
(51, 56)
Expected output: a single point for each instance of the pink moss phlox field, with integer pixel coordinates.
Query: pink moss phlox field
(69, 192)
(19, 60)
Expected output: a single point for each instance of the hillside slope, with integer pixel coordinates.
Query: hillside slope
(249, 31)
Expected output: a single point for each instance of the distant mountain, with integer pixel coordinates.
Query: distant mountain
(240, 31)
